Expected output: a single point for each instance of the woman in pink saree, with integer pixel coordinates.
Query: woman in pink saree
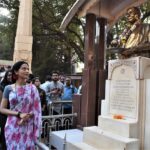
(24, 116)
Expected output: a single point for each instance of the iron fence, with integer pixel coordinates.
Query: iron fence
(58, 105)
(53, 122)
(41, 146)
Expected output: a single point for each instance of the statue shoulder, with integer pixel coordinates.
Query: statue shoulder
(143, 29)
(145, 26)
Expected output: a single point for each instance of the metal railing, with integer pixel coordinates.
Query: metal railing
(58, 103)
(41, 146)
(57, 122)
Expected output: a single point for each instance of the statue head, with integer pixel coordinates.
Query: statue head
(133, 14)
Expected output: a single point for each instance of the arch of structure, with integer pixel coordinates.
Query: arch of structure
(111, 10)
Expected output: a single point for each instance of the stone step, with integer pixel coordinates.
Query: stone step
(123, 127)
(101, 139)
(80, 146)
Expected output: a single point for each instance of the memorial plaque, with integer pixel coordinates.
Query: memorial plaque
(123, 100)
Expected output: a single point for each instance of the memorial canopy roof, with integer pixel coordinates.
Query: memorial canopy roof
(112, 10)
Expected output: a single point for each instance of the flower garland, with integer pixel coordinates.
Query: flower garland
(127, 32)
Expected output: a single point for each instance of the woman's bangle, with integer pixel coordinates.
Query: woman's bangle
(18, 115)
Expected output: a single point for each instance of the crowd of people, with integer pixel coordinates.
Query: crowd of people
(23, 100)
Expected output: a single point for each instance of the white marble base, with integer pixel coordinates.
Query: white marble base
(80, 146)
(126, 128)
(58, 138)
(105, 102)
(127, 94)
(104, 108)
(147, 116)
(100, 139)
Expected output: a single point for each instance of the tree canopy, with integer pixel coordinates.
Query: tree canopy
(52, 49)
(56, 48)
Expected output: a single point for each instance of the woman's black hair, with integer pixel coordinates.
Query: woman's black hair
(35, 78)
(30, 78)
(48, 78)
(15, 68)
(5, 81)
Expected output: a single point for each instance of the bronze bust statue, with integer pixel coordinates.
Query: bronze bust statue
(136, 33)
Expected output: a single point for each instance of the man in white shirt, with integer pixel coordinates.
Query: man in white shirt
(46, 86)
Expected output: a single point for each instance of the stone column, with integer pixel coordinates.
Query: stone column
(24, 39)
(88, 103)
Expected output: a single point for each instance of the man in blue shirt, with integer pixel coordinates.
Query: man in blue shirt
(69, 91)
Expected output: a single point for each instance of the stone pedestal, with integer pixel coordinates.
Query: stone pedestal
(24, 39)
(124, 121)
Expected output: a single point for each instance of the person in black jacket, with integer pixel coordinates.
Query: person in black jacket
(6, 81)
(36, 82)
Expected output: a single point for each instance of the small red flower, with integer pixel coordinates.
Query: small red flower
(118, 116)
